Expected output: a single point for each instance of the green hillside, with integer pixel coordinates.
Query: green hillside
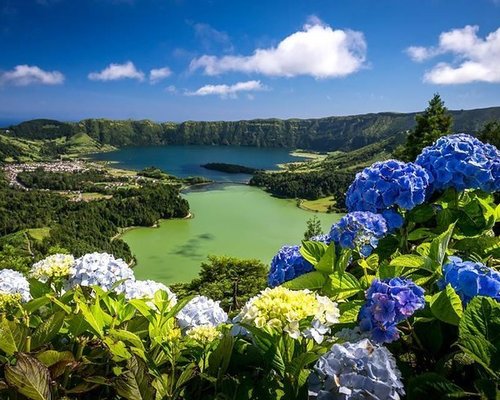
(324, 134)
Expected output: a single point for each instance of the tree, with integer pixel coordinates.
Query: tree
(231, 281)
(313, 228)
(431, 125)
(491, 133)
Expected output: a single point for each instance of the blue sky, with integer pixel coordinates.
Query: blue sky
(211, 60)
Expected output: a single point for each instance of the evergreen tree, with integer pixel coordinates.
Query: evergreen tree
(491, 133)
(313, 228)
(431, 125)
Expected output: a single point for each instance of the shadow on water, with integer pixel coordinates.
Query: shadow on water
(190, 249)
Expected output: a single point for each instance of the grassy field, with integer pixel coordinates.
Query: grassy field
(319, 205)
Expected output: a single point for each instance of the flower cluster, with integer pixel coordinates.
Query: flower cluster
(323, 238)
(282, 310)
(204, 334)
(389, 302)
(56, 266)
(359, 230)
(359, 370)
(201, 311)
(145, 290)
(461, 162)
(470, 279)
(387, 185)
(287, 264)
(13, 288)
(99, 269)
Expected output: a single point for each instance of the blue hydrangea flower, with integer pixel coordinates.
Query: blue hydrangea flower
(359, 230)
(461, 162)
(352, 371)
(99, 269)
(323, 238)
(389, 302)
(470, 279)
(201, 311)
(387, 185)
(286, 265)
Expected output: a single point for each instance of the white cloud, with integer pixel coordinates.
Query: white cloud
(475, 59)
(23, 75)
(114, 72)
(171, 89)
(158, 74)
(317, 50)
(210, 36)
(228, 90)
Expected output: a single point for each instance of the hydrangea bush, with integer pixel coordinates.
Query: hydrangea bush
(366, 312)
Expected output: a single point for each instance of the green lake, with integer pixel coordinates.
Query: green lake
(232, 220)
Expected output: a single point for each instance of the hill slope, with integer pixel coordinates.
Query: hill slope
(323, 134)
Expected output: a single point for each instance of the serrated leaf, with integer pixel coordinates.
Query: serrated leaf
(349, 311)
(51, 357)
(439, 245)
(343, 285)
(413, 261)
(432, 386)
(135, 383)
(9, 337)
(327, 262)
(312, 251)
(30, 377)
(312, 280)
(47, 330)
(447, 306)
(126, 336)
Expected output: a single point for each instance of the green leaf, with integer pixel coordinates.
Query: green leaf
(35, 304)
(30, 377)
(421, 214)
(77, 325)
(312, 280)
(135, 382)
(432, 386)
(439, 245)
(219, 359)
(312, 251)
(127, 336)
(47, 330)
(447, 306)
(38, 289)
(327, 262)
(10, 337)
(419, 234)
(413, 261)
(349, 311)
(483, 246)
(118, 349)
(343, 285)
(91, 317)
(479, 333)
(51, 357)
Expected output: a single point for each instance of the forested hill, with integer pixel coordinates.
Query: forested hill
(323, 134)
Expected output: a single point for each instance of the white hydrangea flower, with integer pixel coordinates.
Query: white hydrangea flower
(99, 269)
(145, 290)
(15, 284)
(54, 266)
(201, 311)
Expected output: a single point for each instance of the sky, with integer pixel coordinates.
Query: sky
(177, 60)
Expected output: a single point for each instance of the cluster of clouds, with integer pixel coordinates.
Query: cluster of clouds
(115, 72)
(317, 50)
(474, 59)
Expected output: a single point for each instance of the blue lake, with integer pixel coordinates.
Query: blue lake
(185, 161)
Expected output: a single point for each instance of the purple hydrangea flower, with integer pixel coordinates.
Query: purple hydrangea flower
(359, 230)
(389, 302)
(286, 265)
(470, 279)
(461, 162)
(352, 371)
(386, 186)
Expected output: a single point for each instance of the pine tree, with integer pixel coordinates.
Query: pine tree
(491, 133)
(313, 228)
(431, 125)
